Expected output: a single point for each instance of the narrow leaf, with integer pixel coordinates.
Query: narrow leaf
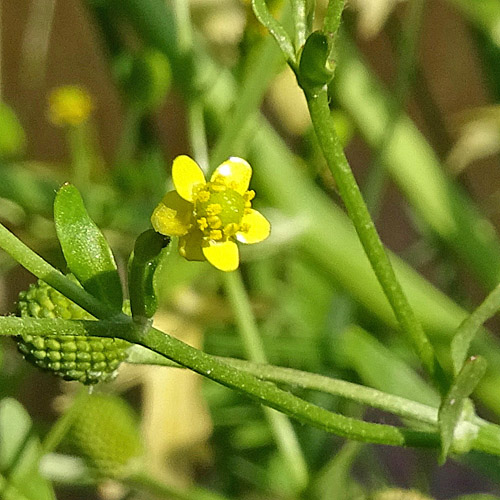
(455, 409)
(85, 249)
(470, 326)
(275, 28)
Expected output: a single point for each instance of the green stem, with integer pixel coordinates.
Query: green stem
(470, 326)
(43, 270)
(363, 223)
(219, 371)
(300, 22)
(81, 154)
(252, 342)
(374, 398)
(248, 378)
(333, 16)
(268, 394)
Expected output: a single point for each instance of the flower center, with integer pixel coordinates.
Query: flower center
(219, 210)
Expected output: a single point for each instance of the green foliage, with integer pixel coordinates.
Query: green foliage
(19, 456)
(85, 249)
(347, 339)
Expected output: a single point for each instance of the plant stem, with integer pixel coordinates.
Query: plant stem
(219, 371)
(363, 223)
(270, 395)
(43, 270)
(252, 342)
(470, 326)
(248, 378)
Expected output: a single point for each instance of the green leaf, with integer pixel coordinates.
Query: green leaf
(19, 455)
(275, 28)
(148, 250)
(85, 249)
(455, 411)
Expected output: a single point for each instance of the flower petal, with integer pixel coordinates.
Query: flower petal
(186, 174)
(190, 245)
(172, 216)
(235, 173)
(257, 228)
(224, 256)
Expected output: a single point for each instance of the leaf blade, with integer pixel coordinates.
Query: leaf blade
(85, 248)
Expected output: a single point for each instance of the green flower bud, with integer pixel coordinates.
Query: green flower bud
(105, 433)
(88, 360)
(315, 67)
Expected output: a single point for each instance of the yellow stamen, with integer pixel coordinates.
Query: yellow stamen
(203, 195)
(249, 195)
(215, 234)
(213, 209)
(202, 223)
(218, 187)
(214, 222)
(231, 229)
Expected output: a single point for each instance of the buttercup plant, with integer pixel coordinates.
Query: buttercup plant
(74, 325)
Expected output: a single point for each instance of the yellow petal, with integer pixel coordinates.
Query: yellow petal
(223, 256)
(236, 174)
(172, 216)
(190, 245)
(257, 228)
(186, 174)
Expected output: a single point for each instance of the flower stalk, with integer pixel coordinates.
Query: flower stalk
(368, 235)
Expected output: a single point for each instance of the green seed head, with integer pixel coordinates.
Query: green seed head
(105, 433)
(88, 360)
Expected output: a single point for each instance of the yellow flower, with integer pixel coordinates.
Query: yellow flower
(69, 105)
(209, 217)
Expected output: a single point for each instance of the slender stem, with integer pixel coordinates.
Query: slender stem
(333, 16)
(300, 22)
(245, 319)
(81, 154)
(270, 395)
(254, 347)
(248, 378)
(219, 371)
(471, 325)
(43, 270)
(184, 26)
(396, 405)
(363, 223)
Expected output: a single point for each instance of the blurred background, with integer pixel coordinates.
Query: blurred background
(438, 62)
